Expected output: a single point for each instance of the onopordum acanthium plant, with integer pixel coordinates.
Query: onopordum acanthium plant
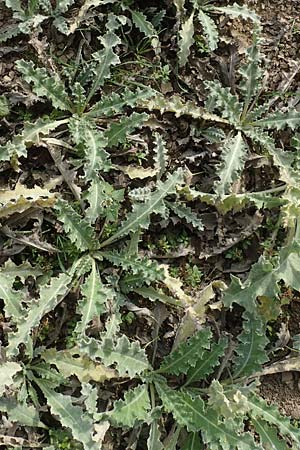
(201, 393)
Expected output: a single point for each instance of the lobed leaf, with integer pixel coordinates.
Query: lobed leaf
(251, 353)
(139, 218)
(210, 30)
(70, 416)
(129, 357)
(78, 230)
(207, 361)
(233, 157)
(186, 40)
(118, 132)
(186, 213)
(94, 300)
(134, 408)
(50, 296)
(187, 354)
(45, 85)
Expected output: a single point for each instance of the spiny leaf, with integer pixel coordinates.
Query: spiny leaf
(148, 268)
(21, 414)
(95, 298)
(135, 407)
(280, 120)
(93, 143)
(45, 85)
(251, 353)
(207, 361)
(192, 414)
(161, 155)
(210, 30)
(79, 230)
(140, 21)
(114, 103)
(269, 413)
(21, 198)
(261, 281)
(251, 73)
(104, 201)
(186, 213)
(70, 416)
(7, 373)
(186, 354)
(186, 40)
(268, 435)
(72, 362)
(179, 107)
(50, 296)
(129, 357)
(118, 132)
(154, 439)
(105, 59)
(8, 32)
(233, 158)
(193, 442)
(236, 10)
(222, 99)
(32, 134)
(139, 218)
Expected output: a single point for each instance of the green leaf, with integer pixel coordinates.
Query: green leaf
(21, 414)
(222, 99)
(93, 143)
(262, 280)
(193, 442)
(269, 413)
(154, 295)
(210, 30)
(207, 361)
(186, 213)
(45, 85)
(268, 435)
(135, 407)
(8, 32)
(93, 303)
(192, 414)
(233, 157)
(72, 362)
(104, 201)
(280, 120)
(236, 10)
(186, 40)
(251, 353)
(154, 439)
(129, 357)
(186, 354)
(179, 107)
(4, 105)
(12, 298)
(118, 132)
(251, 74)
(105, 59)
(113, 104)
(7, 373)
(32, 134)
(161, 155)
(70, 416)
(79, 230)
(50, 296)
(140, 21)
(139, 218)
(149, 269)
